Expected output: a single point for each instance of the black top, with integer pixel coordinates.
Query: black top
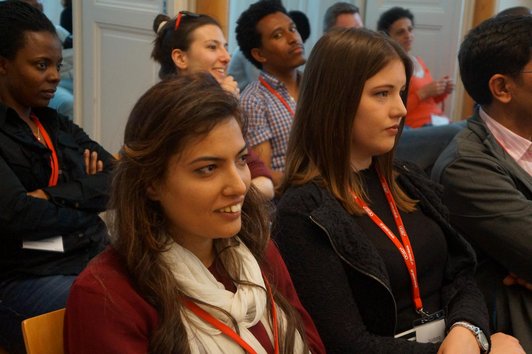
(428, 243)
(73, 205)
(343, 281)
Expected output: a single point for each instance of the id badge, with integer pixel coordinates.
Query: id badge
(430, 329)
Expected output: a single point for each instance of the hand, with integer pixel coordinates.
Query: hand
(230, 85)
(38, 193)
(449, 84)
(459, 340)
(512, 279)
(503, 344)
(435, 88)
(92, 164)
(265, 186)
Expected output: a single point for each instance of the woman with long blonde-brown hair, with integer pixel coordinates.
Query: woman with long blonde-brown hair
(191, 268)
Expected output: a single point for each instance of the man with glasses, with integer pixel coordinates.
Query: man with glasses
(487, 168)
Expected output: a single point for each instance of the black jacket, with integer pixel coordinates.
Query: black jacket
(327, 252)
(71, 212)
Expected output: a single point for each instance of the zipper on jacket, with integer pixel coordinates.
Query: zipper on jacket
(359, 270)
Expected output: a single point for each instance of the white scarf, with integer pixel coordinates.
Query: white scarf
(248, 305)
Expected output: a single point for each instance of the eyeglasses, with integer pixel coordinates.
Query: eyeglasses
(181, 14)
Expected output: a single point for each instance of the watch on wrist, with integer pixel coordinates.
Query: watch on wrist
(482, 341)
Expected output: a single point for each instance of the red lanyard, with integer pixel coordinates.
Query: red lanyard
(276, 94)
(405, 248)
(54, 163)
(207, 317)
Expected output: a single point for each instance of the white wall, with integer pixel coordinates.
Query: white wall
(52, 10)
(504, 4)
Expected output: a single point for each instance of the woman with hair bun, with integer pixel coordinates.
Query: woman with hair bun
(192, 43)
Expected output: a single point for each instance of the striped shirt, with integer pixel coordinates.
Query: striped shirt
(267, 117)
(519, 148)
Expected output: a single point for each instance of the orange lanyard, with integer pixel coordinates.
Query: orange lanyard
(207, 317)
(405, 248)
(54, 163)
(276, 94)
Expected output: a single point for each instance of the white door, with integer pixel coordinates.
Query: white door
(114, 62)
(439, 29)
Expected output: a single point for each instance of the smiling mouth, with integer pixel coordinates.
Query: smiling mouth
(220, 71)
(231, 209)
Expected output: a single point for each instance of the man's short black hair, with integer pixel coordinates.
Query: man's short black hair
(499, 45)
(247, 35)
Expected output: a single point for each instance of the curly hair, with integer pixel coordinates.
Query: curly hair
(247, 35)
(390, 16)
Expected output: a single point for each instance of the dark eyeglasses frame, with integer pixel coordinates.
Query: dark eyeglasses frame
(180, 14)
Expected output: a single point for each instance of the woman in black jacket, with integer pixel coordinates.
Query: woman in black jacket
(367, 242)
(54, 178)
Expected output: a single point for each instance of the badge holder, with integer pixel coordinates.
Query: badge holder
(430, 328)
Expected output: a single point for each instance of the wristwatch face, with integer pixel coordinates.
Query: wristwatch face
(483, 341)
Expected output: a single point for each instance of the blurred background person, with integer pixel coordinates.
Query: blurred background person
(342, 14)
(425, 95)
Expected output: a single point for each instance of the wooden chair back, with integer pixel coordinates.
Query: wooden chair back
(44, 334)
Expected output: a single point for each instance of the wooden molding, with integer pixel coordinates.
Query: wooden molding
(218, 9)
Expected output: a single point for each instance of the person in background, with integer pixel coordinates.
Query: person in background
(487, 168)
(245, 72)
(515, 11)
(63, 100)
(190, 43)
(302, 23)
(191, 268)
(54, 178)
(342, 14)
(367, 242)
(425, 95)
(268, 37)
(65, 19)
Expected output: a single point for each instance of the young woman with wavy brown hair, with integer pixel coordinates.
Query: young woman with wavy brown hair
(191, 256)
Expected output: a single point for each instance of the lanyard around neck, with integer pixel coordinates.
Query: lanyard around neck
(54, 163)
(276, 94)
(405, 248)
(228, 331)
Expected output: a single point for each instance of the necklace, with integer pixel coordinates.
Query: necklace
(38, 135)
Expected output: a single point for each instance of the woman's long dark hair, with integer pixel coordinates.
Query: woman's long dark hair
(167, 117)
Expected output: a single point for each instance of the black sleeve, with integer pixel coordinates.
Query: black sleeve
(86, 192)
(33, 218)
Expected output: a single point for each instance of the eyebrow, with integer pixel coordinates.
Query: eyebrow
(281, 27)
(214, 158)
